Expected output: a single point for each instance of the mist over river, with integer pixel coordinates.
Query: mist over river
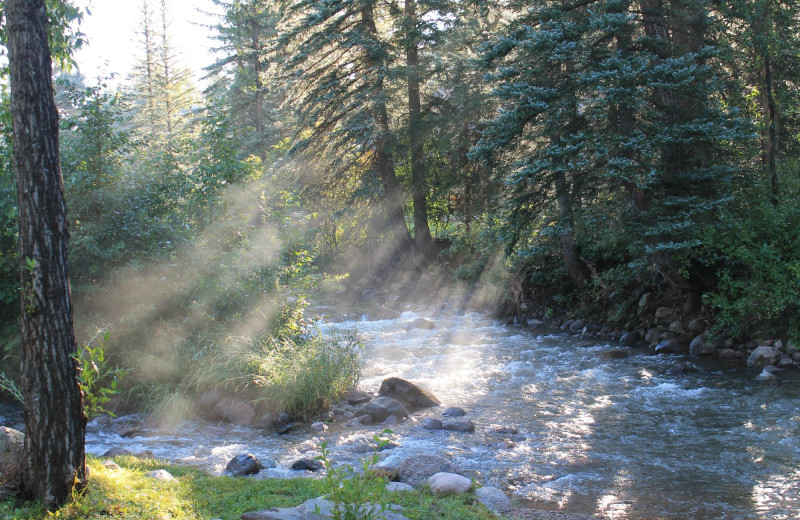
(602, 428)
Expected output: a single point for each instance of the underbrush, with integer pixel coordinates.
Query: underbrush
(128, 494)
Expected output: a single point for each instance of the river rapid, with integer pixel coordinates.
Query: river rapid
(602, 428)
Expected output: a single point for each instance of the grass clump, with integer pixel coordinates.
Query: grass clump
(127, 494)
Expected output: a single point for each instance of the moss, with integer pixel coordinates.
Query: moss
(127, 494)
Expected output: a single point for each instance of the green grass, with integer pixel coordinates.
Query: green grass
(127, 494)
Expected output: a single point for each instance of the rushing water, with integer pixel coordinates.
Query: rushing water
(602, 433)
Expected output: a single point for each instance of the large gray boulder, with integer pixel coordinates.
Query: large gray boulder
(444, 484)
(702, 345)
(493, 498)
(763, 356)
(416, 469)
(11, 445)
(380, 408)
(408, 394)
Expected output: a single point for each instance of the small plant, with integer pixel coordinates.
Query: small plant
(11, 387)
(97, 379)
(355, 495)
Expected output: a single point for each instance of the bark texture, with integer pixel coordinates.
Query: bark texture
(54, 419)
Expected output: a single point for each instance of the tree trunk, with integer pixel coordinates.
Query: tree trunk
(256, 38)
(384, 161)
(54, 420)
(419, 186)
(569, 249)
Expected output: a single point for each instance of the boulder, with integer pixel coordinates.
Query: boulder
(463, 425)
(676, 327)
(614, 354)
(429, 423)
(416, 469)
(578, 325)
(567, 324)
(355, 396)
(702, 345)
(785, 361)
(161, 474)
(444, 484)
(420, 323)
(393, 487)
(244, 464)
(681, 369)
(307, 465)
(630, 338)
(318, 427)
(116, 451)
(391, 421)
(766, 376)
(407, 393)
(493, 498)
(695, 327)
(454, 411)
(11, 446)
(671, 346)
(664, 314)
(535, 324)
(653, 336)
(763, 356)
(382, 407)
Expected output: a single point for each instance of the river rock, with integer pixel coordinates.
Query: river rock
(393, 487)
(763, 356)
(390, 421)
(416, 469)
(116, 451)
(454, 411)
(244, 464)
(785, 361)
(695, 327)
(614, 354)
(671, 346)
(354, 396)
(567, 324)
(444, 484)
(420, 323)
(729, 353)
(653, 336)
(664, 315)
(11, 459)
(306, 465)
(380, 408)
(577, 325)
(429, 423)
(464, 426)
(630, 338)
(161, 474)
(534, 323)
(493, 498)
(509, 430)
(702, 345)
(318, 427)
(766, 376)
(676, 327)
(681, 369)
(411, 396)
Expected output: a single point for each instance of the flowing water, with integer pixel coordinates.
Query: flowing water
(602, 428)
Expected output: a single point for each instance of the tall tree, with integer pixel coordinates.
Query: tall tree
(55, 423)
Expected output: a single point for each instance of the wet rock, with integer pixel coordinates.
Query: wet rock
(664, 315)
(116, 451)
(504, 445)
(444, 484)
(454, 411)
(682, 369)
(766, 376)
(676, 327)
(364, 419)
(244, 464)
(785, 361)
(416, 469)
(493, 498)
(671, 346)
(614, 354)
(566, 325)
(391, 420)
(318, 427)
(99, 423)
(429, 423)
(535, 324)
(161, 474)
(702, 345)
(653, 336)
(577, 325)
(420, 323)
(506, 430)
(517, 438)
(128, 430)
(12, 443)
(630, 338)
(328, 416)
(464, 426)
(695, 327)
(393, 487)
(355, 396)
(382, 407)
(763, 356)
(411, 396)
(284, 428)
(307, 465)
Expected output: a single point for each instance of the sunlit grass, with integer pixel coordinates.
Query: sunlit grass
(128, 494)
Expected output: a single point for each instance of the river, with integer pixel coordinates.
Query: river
(602, 428)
